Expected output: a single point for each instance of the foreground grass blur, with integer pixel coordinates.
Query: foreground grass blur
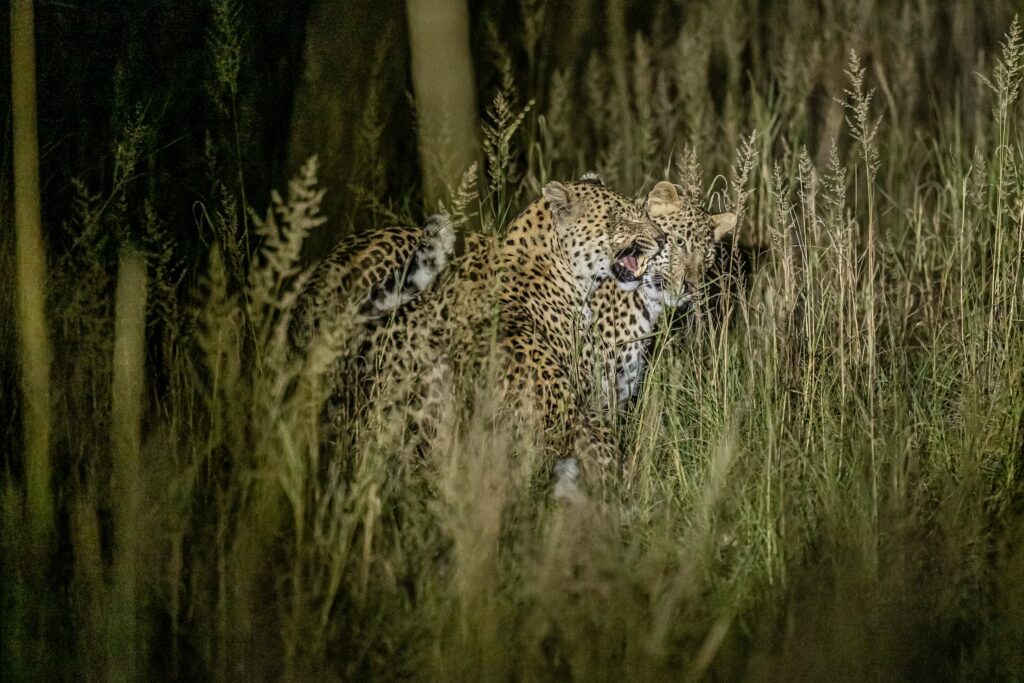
(823, 473)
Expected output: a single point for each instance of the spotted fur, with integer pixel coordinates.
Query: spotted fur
(624, 322)
(525, 295)
(371, 275)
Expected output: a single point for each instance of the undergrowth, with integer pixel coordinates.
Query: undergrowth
(822, 475)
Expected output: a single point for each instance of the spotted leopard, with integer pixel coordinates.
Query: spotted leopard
(370, 275)
(524, 296)
(624, 322)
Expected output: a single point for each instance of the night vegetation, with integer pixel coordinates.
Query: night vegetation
(822, 475)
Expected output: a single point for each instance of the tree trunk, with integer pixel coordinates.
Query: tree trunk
(33, 339)
(442, 78)
(127, 401)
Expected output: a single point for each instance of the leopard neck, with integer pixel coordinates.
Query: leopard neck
(651, 300)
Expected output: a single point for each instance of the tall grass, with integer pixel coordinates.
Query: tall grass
(821, 477)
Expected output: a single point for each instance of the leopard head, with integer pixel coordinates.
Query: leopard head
(604, 233)
(676, 274)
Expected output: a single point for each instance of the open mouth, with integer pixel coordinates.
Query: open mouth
(629, 264)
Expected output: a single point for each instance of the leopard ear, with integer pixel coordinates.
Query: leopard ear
(724, 223)
(592, 177)
(562, 202)
(663, 199)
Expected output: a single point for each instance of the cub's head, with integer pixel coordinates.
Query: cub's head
(677, 272)
(603, 233)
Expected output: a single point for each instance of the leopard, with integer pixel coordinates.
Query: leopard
(524, 295)
(370, 275)
(356, 289)
(624, 322)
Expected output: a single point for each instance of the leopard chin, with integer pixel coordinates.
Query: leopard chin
(624, 279)
(657, 287)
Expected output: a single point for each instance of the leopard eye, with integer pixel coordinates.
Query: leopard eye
(679, 242)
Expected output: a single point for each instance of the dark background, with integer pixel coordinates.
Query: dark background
(307, 71)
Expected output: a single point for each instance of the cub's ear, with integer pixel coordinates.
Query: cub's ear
(592, 177)
(663, 198)
(725, 223)
(562, 202)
